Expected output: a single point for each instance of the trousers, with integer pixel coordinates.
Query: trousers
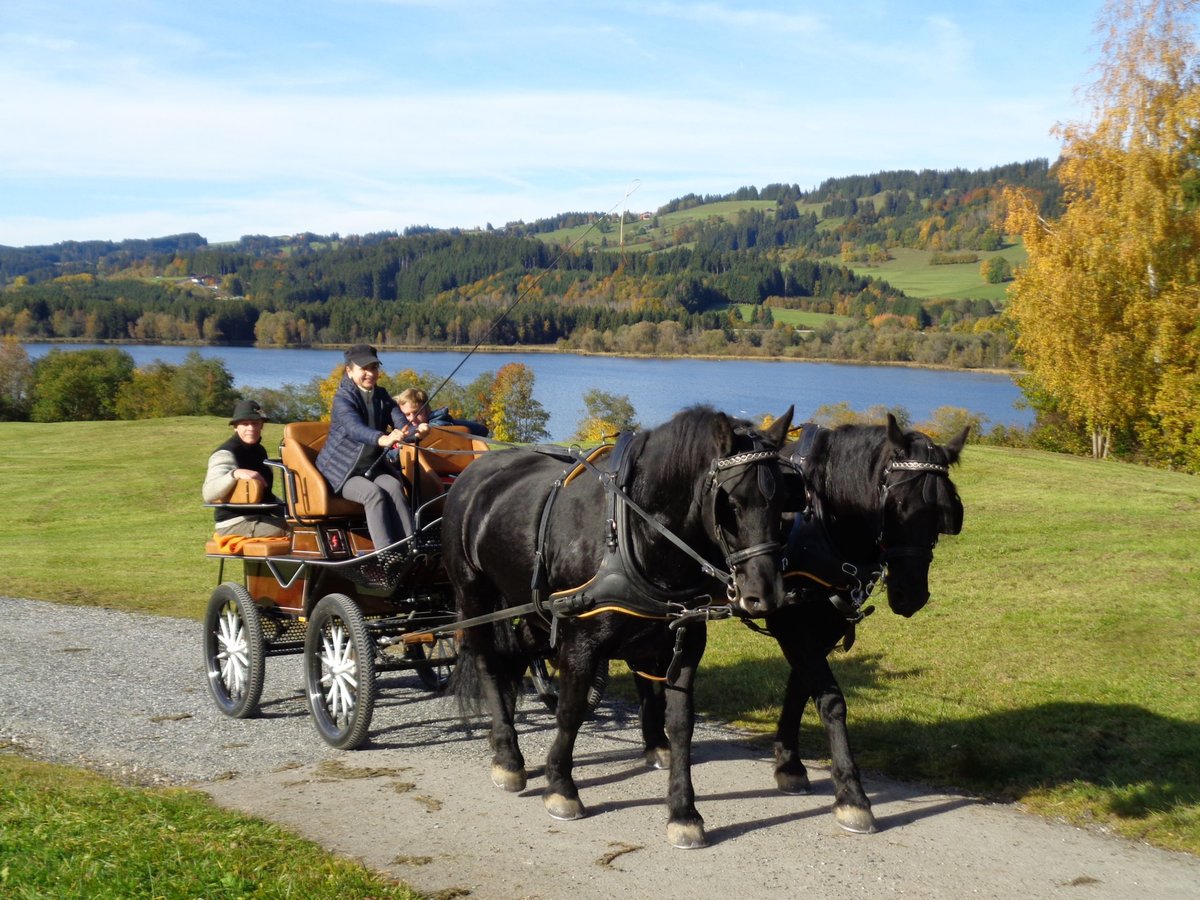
(388, 517)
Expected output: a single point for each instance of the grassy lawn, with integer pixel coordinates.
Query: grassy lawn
(1058, 663)
(910, 271)
(639, 235)
(69, 833)
(797, 318)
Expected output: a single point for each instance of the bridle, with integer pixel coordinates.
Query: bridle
(920, 469)
(722, 472)
(840, 574)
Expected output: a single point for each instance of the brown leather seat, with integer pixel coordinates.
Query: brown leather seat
(313, 498)
(448, 449)
(310, 495)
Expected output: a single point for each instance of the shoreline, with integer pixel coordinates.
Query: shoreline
(543, 349)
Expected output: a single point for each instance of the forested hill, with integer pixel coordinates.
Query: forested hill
(776, 270)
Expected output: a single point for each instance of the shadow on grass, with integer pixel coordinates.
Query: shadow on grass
(1130, 762)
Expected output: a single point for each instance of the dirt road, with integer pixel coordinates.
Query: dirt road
(125, 694)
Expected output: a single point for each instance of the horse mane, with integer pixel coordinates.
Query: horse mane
(684, 445)
(838, 458)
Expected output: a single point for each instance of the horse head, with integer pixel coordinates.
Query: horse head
(748, 501)
(919, 503)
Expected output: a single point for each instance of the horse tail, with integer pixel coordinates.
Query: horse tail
(506, 658)
(465, 684)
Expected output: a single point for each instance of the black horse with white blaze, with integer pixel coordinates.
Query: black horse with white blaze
(624, 557)
(877, 500)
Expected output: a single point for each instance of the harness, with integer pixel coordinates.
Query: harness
(619, 585)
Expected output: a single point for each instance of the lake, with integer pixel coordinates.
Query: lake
(657, 387)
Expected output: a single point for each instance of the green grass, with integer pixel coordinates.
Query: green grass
(797, 318)
(65, 832)
(640, 235)
(1057, 664)
(910, 271)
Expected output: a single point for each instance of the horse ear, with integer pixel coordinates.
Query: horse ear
(954, 448)
(777, 433)
(895, 435)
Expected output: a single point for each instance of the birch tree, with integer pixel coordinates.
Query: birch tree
(1108, 305)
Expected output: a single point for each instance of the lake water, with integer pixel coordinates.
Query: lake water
(657, 387)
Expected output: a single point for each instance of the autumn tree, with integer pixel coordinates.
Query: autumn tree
(195, 387)
(605, 415)
(1108, 305)
(513, 413)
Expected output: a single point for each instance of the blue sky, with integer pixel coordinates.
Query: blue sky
(141, 118)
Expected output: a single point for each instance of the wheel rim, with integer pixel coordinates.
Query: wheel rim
(339, 672)
(436, 661)
(232, 651)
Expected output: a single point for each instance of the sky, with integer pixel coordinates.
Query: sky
(144, 118)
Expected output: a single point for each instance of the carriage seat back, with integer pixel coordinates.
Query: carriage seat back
(309, 494)
(448, 449)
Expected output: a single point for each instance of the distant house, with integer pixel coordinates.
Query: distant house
(646, 216)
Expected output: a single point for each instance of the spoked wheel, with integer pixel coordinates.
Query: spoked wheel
(339, 672)
(233, 650)
(435, 661)
(544, 675)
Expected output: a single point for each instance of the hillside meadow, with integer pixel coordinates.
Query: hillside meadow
(1057, 664)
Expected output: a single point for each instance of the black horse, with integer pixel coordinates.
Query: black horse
(871, 499)
(622, 558)
(878, 498)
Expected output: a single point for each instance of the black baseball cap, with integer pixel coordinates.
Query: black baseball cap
(362, 355)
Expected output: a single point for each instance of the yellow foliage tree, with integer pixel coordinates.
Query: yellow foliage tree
(1106, 307)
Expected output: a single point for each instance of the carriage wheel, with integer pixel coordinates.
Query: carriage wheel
(544, 676)
(435, 661)
(339, 672)
(233, 651)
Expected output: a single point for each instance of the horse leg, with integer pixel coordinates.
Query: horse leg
(652, 712)
(500, 696)
(851, 807)
(790, 775)
(685, 826)
(562, 796)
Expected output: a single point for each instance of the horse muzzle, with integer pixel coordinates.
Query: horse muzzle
(757, 596)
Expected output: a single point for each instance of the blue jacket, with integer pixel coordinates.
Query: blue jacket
(351, 439)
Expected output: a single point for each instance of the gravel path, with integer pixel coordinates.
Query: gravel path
(125, 694)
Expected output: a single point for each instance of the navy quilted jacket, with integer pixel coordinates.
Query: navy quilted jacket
(350, 437)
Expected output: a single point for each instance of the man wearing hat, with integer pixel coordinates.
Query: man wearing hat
(242, 459)
(360, 427)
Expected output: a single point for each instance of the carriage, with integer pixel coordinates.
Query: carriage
(620, 567)
(353, 610)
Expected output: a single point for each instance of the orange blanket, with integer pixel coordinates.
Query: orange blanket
(236, 543)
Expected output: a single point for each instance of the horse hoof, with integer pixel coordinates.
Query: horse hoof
(685, 836)
(855, 819)
(508, 780)
(793, 782)
(565, 809)
(659, 758)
